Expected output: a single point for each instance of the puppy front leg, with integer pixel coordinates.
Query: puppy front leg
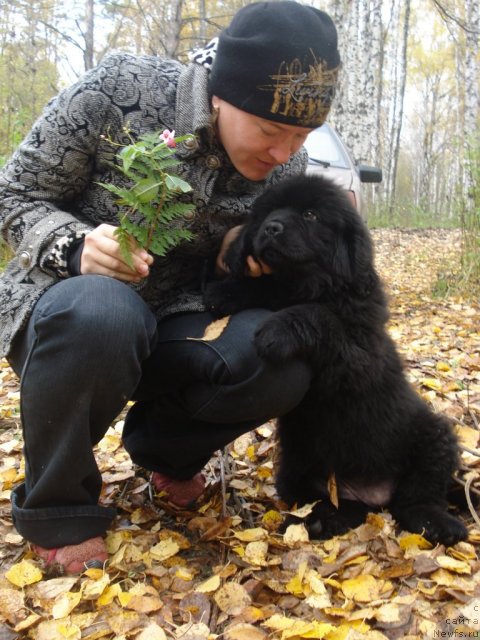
(224, 297)
(296, 331)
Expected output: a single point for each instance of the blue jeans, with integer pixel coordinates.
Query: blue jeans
(91, 345)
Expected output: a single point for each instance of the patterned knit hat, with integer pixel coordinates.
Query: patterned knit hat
(279, 61)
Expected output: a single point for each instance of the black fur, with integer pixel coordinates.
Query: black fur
(361, 422)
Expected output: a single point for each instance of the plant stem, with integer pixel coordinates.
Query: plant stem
(158, 212)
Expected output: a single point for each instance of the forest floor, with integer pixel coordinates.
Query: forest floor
(223, 570)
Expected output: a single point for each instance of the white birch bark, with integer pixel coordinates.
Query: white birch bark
(472, 72)
(88, 35)
(173, 26)
(399, 96)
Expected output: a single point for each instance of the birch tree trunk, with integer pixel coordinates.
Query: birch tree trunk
(173, 26)
(427, 165)
(397, 119)
(356, 110)
(88, 53)
(202, 16)
(472, 72)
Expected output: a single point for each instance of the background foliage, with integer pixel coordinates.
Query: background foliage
(408, 100)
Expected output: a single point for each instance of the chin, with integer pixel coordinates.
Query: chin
(255, 176)
(252, 171)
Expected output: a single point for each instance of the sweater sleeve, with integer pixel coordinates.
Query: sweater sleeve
(52, 166)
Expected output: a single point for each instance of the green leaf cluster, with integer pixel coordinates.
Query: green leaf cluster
(150, 206)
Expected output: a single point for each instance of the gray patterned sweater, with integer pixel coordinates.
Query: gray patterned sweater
(49, 196)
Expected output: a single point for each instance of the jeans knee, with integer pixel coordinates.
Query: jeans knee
(95, 312)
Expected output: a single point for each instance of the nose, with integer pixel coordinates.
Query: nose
(273, 228)
(281, 153)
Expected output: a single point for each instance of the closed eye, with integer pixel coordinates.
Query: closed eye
(310, 216)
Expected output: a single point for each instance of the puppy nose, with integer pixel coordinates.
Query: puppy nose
(273, 228)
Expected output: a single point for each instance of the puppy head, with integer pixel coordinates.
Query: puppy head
(305, 228)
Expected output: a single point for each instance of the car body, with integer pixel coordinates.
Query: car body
(328, 155)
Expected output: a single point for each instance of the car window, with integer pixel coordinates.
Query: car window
(321, 145)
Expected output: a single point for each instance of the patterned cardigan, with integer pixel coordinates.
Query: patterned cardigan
(50, 197)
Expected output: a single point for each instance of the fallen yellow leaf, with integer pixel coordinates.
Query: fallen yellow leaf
(23, 573)
(124, 598)
(232, 598)
(272, 520)
(432, 383)
(364, 588)
(189, 631)
(214, 330)
(413, 540)
(303, 511)
(152, 632)
(458, 566)
(251, 535)
(165, 549)
(209, 586)
(295, 535)
(333, 490)
(109, 594)
(94, 588)
(244, 631)
(295, 586)
(256, 553)
(443, 366)
(56, 630)
(66, 604)
(32, 619)
(291, 627)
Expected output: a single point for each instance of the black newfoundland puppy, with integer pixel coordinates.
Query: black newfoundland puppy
(362, 438)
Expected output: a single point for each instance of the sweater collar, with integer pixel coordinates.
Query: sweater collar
(193, 111)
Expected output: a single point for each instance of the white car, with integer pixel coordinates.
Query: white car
(328, 155)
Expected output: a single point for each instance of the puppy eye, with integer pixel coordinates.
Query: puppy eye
(311, 216)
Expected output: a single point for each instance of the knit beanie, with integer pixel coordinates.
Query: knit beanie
(278, 60)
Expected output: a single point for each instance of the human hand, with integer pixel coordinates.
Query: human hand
(101, 255)
(256, 268)
(221, 268)
(253, 268)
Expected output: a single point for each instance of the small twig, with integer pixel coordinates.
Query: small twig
(212, 623)
(474, 419)
(469, 500)
(124, 489)
(463, 483)
(150, 491)
(474, 452)
(246, 515)
(223, 483)
(239, 502)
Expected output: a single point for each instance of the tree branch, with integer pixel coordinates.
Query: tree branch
(64, 36)
(446, 15)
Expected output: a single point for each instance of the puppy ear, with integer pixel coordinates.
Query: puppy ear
(342, 257)
(354, 256)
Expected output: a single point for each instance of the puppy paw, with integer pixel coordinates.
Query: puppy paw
(434, 523)
(326, 521)
(274, 342)
(319, 526)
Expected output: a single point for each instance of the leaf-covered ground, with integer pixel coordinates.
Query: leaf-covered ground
(223, 571)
